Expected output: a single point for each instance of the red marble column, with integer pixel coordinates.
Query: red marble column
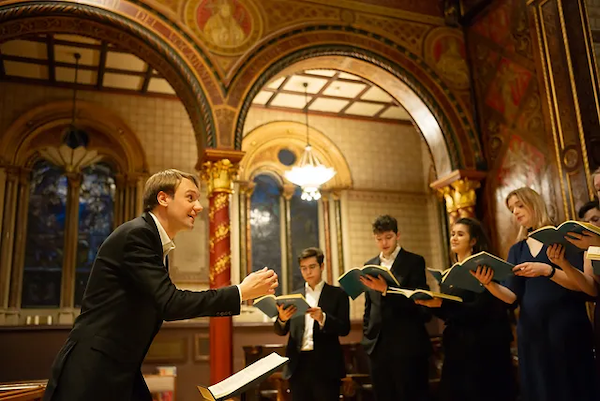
(221, 329)
(218, 172)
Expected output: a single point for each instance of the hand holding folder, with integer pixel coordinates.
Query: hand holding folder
(460, 276)
(574, 236)
(268, 304)
(351, 280)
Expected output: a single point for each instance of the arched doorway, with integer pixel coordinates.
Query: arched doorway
(444, 120)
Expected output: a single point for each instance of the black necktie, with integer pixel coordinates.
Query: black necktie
(167, 263)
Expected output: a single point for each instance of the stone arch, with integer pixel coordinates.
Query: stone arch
(263, 144)
(440, 116)
(44, 125)
(172, 54)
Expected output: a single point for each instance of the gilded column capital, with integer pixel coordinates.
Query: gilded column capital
(458, 191)
(460, 194)
(219, 168)
(219, 175)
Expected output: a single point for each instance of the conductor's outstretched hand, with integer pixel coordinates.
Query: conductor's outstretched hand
(259, 283)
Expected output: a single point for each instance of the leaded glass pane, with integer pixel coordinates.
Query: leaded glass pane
(96, 210)
(265, 225)
(45, 237)
(305, 232)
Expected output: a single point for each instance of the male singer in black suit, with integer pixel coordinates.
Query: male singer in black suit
(316, 364)
(394, 333)
(129, 294)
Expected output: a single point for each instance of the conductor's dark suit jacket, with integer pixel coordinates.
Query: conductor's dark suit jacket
(326, 344)
(394, 321)
(128, 296)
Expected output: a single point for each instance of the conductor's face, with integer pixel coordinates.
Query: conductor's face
(184, 206)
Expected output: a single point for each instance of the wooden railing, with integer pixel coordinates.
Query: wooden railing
(29, 391)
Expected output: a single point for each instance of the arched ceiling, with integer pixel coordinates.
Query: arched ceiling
(48, 59)
(333, 93)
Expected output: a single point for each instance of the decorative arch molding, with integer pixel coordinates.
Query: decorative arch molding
(142, 31)
(263, 144)
(43, 126)
(438, 112)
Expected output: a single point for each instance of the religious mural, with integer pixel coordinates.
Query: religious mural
(496, 24)
(445, 50)
(227, 27)
(508, 88)
(514, 134)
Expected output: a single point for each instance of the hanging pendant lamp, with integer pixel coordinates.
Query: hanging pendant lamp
(309, 174)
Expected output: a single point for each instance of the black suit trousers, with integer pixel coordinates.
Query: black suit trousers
(399, 378)
(307, 385)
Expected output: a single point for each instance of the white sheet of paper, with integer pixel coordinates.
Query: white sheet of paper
(247, 375)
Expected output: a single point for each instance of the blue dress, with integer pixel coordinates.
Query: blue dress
(554, 334)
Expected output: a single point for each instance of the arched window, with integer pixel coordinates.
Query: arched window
(280, 229)
(47, 219)
(43, 269)
(58, 206)
(96, 219)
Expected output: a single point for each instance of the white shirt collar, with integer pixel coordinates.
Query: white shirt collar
(392, 257)
(167, 243)
(318, 287)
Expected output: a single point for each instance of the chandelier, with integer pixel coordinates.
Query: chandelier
(72, 155)
(309, 174)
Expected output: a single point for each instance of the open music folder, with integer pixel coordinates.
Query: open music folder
(244, 379)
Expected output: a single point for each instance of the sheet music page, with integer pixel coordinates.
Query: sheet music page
(247, 375)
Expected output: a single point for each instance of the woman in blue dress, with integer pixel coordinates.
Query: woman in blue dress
(554, 334)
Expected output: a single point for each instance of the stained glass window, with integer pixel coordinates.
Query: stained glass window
(305, 232)
(45, 237)
(96, 206)
(265, 225)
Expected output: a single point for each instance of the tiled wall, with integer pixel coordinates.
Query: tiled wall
(380, 155)
(162, 125)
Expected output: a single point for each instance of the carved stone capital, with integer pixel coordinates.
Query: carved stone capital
(74, 179)
(288, 191)
(246, 188)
